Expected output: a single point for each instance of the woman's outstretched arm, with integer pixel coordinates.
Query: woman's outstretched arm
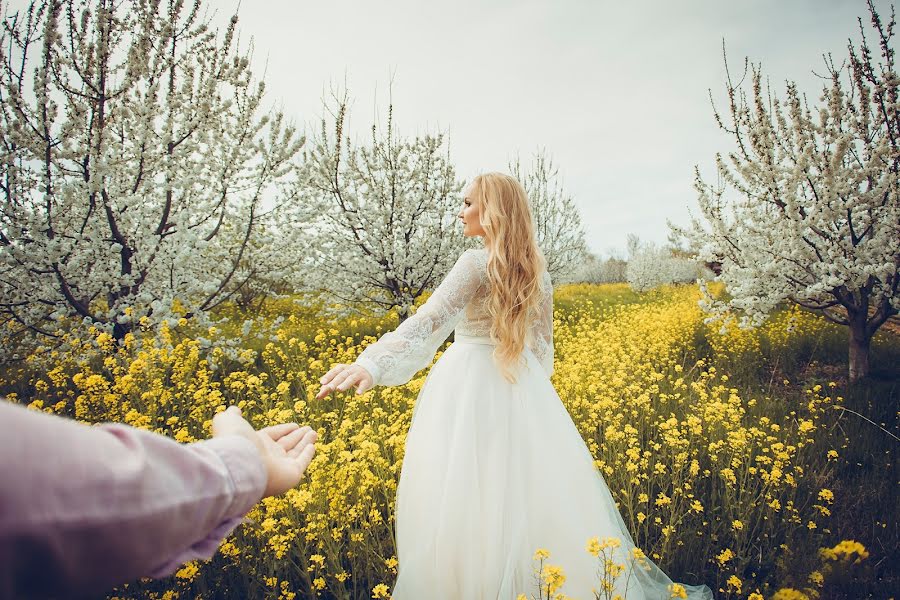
(399, 354)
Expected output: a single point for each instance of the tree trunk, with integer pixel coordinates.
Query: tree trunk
(120, 330)
(859, 348)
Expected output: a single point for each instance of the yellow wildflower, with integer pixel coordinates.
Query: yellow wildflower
(553, 577)
(188, 571)
(846, 550)
(724, 556)
(789, 594)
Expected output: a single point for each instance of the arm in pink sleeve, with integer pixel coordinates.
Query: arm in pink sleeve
(83, 509)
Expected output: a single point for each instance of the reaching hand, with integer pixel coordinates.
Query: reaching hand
(286, 449)
(342, 377)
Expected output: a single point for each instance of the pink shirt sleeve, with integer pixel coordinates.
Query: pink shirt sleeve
(83, 508)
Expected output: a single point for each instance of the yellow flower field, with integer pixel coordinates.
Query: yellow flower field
(718, 482)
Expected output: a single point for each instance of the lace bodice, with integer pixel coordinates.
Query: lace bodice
(460, 303)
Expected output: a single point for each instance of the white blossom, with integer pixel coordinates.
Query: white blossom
(387, 227)
(806, 207)
(138, 170)
(593, 269)
(557, 221)
(650, 266)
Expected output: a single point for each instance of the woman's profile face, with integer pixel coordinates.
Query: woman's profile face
(470, 214)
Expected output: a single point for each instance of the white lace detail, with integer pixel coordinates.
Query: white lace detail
(541, 330)
(459, 302)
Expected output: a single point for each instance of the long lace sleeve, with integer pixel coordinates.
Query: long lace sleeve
(542, 327)
(399, 354)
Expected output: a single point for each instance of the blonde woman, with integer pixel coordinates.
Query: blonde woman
(494, 467)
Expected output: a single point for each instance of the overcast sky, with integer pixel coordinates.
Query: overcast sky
(617, 92)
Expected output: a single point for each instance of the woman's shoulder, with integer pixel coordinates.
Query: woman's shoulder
(547, 281)
(475, 255)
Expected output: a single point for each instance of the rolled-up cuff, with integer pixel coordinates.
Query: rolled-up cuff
(248, 478)
(202, 550)
(245, 465)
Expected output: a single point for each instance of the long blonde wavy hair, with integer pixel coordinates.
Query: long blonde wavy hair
(515, 266)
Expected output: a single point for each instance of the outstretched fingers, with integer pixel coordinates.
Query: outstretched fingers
(362, 385)
(349, 380)
(343, 377)
(336, 380)
(327, 377)
(290, 441)
(328, 380)
(278, 432)
(304, 450)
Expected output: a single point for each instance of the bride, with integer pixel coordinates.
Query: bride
(494, 467)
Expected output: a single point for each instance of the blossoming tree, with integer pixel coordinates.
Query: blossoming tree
(556, 218)
(650, 266)
(387, 228)
(136, 163)
(806, 208)
(597, 269)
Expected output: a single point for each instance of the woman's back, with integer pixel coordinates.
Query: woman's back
(460, 304)
(476, 318)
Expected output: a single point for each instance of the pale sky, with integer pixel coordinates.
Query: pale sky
(617, 92)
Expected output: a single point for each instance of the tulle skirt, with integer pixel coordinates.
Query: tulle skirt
(494, 471)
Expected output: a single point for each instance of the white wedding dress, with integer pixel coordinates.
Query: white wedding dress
(494, 470)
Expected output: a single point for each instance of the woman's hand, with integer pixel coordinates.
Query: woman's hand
(286, 449)
(342, 377)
